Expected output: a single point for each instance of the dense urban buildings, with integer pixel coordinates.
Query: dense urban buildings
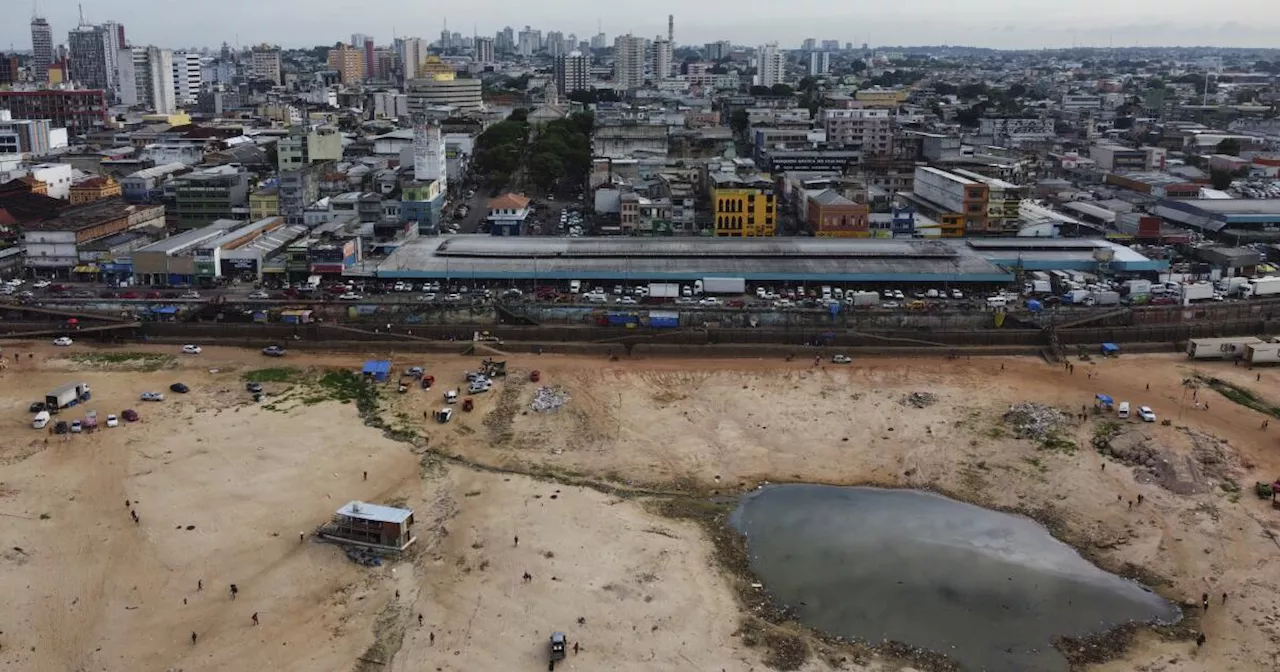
(41, 49)
(629, 61)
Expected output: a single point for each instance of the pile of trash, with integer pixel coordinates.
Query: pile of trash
(1035, 421)
(920, 399)
(362, 556)
(548, 399)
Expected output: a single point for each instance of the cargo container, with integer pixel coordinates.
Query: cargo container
(864, 298)
(1196, 292)
(664, 290)
(1132, 287)
(1220, 348)
(1261, 287)
(724, 286)
(1262, 353)
(664, 319)
(1104, 299)
(1039, 287)
(622, 319)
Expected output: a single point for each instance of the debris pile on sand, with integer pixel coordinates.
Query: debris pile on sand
(920, 399)
(1035, 421)
(548, 399)
(1181, 472)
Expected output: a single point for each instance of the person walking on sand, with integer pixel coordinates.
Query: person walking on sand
(234, 591)
(431, 639)
(1200, 640)
(517, 539)
(1224, 598)
(575, 648)
(134, 514)
(419, 620)
(366, 475)
(193, 638)
(255, 618)
(1204, 600)
(199, 585)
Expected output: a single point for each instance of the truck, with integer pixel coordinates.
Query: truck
(1231, 286)
(1261, 287)
(1076, 297)
(66, 396)
(1220, 348)
(724, 286)
(1104, 299)
(664, 290)
(863, 299)
(313, 283)
(1038, 287)
(1200, 291)
(1132, 287)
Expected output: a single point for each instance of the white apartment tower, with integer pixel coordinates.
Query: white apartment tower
(412, 51)
(146, 79)
(41, 49)
(770, 65)
(663, 59)
(628, 61)
(819, 62)
(188, 77)
(428, 152)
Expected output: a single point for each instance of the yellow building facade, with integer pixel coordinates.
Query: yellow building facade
(878, 97)
(94, 189)
(264, 203)
(744, 212)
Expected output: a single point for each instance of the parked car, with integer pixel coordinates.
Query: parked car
(191, 350)
(189, 295)
(259, 295)
(1146, 414)
(841, 359)
(151, 396)
(273, 351)
(113, 421)
(76, 427)
(62, 427)
(179, 388)
(62, 341)
(352, 296)
(36, 407)
(129, 415)
(41, 284)
(253, 387)
(444, 415)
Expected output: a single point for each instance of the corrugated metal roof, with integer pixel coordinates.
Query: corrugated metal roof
(384, 514)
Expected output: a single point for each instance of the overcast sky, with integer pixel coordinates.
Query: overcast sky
(991, 23)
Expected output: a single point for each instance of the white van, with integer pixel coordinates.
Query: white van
(575, 286)
(997, 302)
(697, 286)
(41, 420)
(1122, 411)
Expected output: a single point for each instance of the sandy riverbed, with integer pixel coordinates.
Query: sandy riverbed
(92, 590)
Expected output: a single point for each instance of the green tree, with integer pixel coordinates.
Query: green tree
(1220, 179)
(758, 90)
(739, 122)
(1229, 146)
(519, 114)
(781, 90)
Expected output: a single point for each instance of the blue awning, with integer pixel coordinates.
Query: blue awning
(1110, 347)
(1103, 398)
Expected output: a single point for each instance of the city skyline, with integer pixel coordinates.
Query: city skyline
(1001, 24)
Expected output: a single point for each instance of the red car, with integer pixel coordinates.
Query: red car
(153, 295)
(129, 295)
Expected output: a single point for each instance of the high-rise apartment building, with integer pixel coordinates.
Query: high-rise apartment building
(8, 69)
(718, 50)
(770, 65)
(530, 42)
(146, 79)
(79, 112)
(555, 44)
(357, 40)
(809, 44)
(370, 59)
(484, 50)
(868, 129)
(628, 61)
(599, 41)
(663, 59)
(188, 77)
(819, 62)
(831, 45)
(264, 63)
(41, 49)
(411, 51)
(95, 56)
(505, 42)
(348, 62)
(571, 72)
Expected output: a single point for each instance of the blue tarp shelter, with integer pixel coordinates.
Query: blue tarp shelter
(1110, 348)
(1105, 400)
(1034, 306)
(378, 369)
